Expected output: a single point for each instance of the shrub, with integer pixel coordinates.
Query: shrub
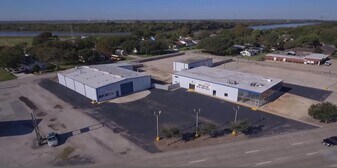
(324, 112)
(241, 126)
(36, 68)
(172, 132)
(207, 128)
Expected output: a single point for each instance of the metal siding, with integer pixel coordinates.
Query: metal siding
(220, 89)
(90, 92)
(79, 87)
(179, 66)
(61, 79)
(142, 83)
(70, 83)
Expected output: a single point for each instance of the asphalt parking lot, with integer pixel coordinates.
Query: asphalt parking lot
(136, 121)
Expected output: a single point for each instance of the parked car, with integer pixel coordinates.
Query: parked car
(52, 139)
(327, 63)
(330, 141)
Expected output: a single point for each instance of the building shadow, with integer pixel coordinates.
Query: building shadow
(63, 137)
(15, 128)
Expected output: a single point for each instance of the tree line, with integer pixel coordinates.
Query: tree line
(312, 36)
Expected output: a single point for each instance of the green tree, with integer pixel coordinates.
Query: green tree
(42, 38)
(324, 112)
(11, 57)
(36, 68)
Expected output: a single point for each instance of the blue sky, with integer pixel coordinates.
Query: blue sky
(166, 9)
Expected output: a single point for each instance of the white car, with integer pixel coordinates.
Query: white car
(327, 63)
(52, 139)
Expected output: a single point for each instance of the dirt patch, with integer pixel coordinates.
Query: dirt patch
(66, 152)
(100, 142)
(291, 106)
(28, 102)
(57, 126)
(41, 114)
(124, 152)
(58, 106)
(53, 119)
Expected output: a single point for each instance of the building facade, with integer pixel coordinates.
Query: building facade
(229, 85)
(313, 58)
(103, 82)
(191, 63)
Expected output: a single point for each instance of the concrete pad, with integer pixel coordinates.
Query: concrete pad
(131, 97)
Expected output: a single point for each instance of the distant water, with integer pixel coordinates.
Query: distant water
(35, 33)
(274, 26)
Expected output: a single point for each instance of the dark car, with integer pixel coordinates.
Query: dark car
(330, 141)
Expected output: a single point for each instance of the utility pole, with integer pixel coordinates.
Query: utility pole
(157, 118)
(196, 121)
(235, 119)
(236, 113)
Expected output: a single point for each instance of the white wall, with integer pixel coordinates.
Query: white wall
(70, 83)
(139, 84)
(207, 87)
(90, 92)
(178, 66)
(61, 79)
(79, 87)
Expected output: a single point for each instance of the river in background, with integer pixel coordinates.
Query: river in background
(274, 26)
(35, 33)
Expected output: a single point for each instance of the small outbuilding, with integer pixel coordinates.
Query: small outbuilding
(190, 63)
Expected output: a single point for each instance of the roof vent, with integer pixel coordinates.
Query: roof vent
(267, 79)
(232, 82)
(254, 84)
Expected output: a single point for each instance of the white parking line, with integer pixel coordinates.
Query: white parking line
(252, 151)
(308, 154)
(262, 163)
(197, 161)
(298, 143)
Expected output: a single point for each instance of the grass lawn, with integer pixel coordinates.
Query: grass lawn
(11, 41)
(4, 75)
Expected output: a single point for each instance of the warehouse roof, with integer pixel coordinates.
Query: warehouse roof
(316, 56)
(229, 78)
(193, 60)
(101, 75)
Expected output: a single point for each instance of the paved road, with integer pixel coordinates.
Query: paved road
(300, 149)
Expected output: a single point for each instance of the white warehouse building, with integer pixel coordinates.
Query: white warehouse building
(104, 82)
(190, 63)
(229, 85)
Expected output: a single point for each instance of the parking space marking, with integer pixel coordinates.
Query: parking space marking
(252, 151)
(262, 163)
(196, 161)
(298, 143)
(312, 153)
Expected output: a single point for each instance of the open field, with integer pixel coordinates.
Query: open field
(11, 41)
(4, 75)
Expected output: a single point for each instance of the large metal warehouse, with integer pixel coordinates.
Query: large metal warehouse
(190, 63)
(104, 82)
(230, 85)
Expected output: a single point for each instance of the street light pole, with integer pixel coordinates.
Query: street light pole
(157, 118)
(236, 113)
(196, 121)
(235, 119)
